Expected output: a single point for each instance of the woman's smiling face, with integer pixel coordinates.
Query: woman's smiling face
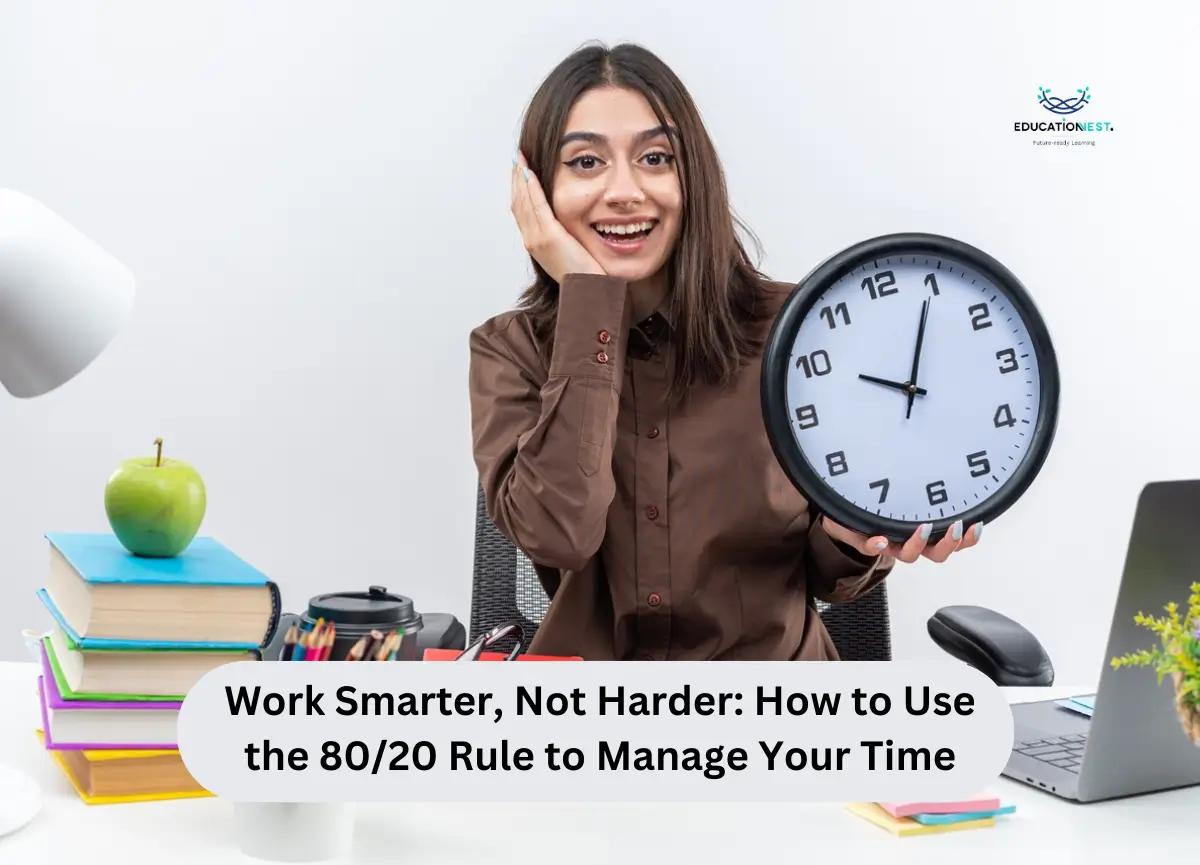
(616, 189)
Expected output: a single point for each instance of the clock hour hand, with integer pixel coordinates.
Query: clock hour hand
(898, 385)
(917, 356)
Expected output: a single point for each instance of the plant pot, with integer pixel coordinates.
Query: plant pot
(1188, 712)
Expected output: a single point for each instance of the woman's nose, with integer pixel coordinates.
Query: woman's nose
(623, 186)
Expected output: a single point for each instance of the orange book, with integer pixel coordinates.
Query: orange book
(451, 654)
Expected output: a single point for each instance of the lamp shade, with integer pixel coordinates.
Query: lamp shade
(62, 297)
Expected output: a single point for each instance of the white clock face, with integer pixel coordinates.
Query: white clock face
(964, 436)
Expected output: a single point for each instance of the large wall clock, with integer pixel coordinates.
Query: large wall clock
(910, 379)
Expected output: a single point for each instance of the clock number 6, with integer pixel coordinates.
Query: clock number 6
(881, 285)
(936, 493)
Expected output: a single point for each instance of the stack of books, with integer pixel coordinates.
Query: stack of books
(923, 818)
(130, 637)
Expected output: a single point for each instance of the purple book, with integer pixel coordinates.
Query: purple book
(84, 725)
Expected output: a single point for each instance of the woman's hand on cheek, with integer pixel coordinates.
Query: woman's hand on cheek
(913, 548)
(551, 245)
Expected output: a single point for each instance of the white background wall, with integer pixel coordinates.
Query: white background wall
(313, 196)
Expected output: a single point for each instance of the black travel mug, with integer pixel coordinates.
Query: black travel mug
(357, 614)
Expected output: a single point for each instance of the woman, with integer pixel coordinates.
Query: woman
(616, 418)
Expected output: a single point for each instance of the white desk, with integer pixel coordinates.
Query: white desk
(200, 831)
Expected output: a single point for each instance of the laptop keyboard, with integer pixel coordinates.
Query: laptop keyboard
(1065, 752)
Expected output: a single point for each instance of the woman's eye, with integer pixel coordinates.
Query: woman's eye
(585, 162)
(657, 160)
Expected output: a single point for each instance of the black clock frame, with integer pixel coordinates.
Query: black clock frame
(777, 358)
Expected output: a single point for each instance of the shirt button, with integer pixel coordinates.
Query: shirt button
(603, 336)
(653, 433)
(652, 512)
(654, 599)
(602, 357)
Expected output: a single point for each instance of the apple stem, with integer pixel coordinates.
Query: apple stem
(158, 457)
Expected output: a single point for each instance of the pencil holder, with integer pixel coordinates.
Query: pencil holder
(352, 616)
(294, 831)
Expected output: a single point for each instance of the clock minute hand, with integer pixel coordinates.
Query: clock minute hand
(916, 363)
(898, 385)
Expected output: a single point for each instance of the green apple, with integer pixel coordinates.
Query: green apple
(154, 505)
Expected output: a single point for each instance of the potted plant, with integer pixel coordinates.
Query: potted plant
(1178, 655)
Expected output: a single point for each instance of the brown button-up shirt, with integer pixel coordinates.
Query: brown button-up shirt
(660, 531)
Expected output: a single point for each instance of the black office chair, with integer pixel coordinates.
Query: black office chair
(506, 589)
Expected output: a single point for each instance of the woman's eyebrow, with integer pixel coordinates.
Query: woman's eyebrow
(597, 138)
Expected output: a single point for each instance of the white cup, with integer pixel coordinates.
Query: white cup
(33, 644)
(294, 831)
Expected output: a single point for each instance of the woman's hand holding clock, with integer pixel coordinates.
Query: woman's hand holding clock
(915, 547)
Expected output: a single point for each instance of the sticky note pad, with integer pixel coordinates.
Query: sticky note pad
(966, 816)
(963, 806)
(902, 827)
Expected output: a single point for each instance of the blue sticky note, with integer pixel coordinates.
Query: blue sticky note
(1076, 706)
(941, 819)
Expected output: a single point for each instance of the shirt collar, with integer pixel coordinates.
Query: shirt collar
(647, 335)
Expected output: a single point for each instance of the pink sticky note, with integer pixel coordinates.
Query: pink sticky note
(907, 809)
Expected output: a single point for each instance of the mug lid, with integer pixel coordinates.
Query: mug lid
(373, 608)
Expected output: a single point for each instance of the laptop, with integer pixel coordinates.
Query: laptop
(1133, 742)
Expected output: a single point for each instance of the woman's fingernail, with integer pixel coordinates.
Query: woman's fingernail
(956, 531)
(881, 545)
(526, 173)
(926, 531)
(978, 530)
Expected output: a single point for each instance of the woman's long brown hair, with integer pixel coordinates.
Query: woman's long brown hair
(715, 289)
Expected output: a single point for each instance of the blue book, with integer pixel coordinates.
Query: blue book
(104, 597)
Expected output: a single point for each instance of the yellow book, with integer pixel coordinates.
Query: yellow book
(902, 827)
(112, 777)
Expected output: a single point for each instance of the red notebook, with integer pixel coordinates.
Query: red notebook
(451, 654)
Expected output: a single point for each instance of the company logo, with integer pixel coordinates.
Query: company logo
(1063, 129)
(1058, 105)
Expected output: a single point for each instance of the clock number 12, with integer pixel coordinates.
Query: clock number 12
(880, 285)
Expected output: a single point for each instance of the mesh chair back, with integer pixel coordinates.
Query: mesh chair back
(506, 588)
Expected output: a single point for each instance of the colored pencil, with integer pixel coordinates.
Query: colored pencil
(289, 642)
(330, 639)
(315, 637)
(317, 644)
(301, 647)
(372, 645)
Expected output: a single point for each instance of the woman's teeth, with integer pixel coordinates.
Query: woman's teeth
(624, 233)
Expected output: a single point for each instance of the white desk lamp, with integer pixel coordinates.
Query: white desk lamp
(62, 300)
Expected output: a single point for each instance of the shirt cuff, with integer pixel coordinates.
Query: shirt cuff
(591, 327)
